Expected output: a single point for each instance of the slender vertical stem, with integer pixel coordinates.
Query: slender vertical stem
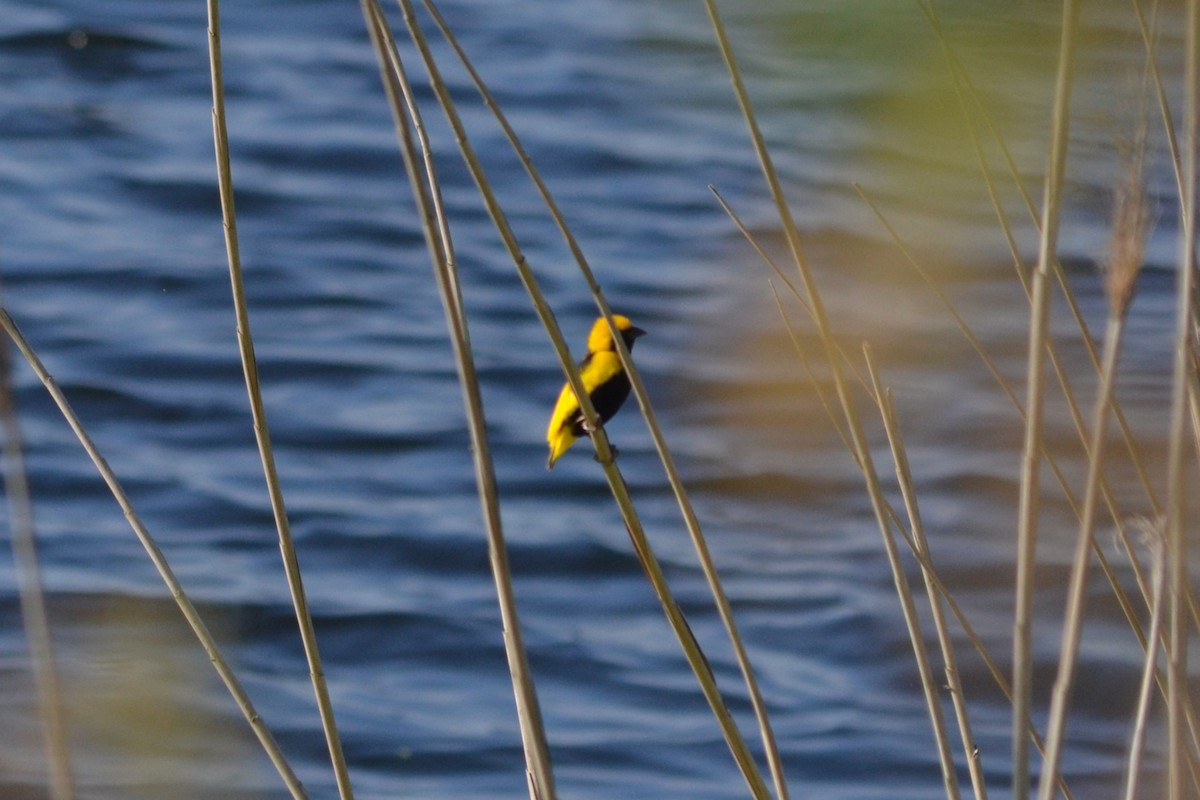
(695, 656)
(1150, 42)
(917, 550)
(160, 562)
(604, 453)
(854, 425)
(860, 449)
(250, 369)
(1077, 585)
(1177, 549)
(724, 609)
(929, 683)
(1031, 451)
(950, 662)
(1149, 667)
(964, 89)
(435, 226)
(33, 600)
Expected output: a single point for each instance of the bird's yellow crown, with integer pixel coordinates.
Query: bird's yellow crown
(600, 339)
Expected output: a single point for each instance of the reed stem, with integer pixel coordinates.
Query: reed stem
(1149, 669)
(604, 452)
(1077, 583)
(159, 561)
(691, 521)
(435, 226)
(262, 435)
(1035, 396)
(964, 89)
(929, 683)
(894, 518)
(1184, 365)
(34, 617)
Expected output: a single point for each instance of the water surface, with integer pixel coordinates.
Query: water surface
(113, 261)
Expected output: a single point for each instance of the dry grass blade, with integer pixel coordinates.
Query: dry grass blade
(427, 195)
(806, 363)
(783, 278)
(690, 520)
(160, 562)
(261, 430)
(1077, 584)
(683, 633)
(964, 90)
(1127, 249)
(950, 662)
(1035, 395)
(32, 597)
(860, 450)
(1137, 742)
(894, 519)
(920, 552)
(1106, 567)
(816, 307)
(929, 683)
(1160, 95)
(1119, 592)
(1184, 366)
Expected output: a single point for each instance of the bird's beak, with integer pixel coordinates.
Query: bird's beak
(635, 332)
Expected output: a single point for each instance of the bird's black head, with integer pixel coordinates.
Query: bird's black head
(630, 335)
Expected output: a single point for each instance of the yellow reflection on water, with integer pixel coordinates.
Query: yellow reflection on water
(148, 718)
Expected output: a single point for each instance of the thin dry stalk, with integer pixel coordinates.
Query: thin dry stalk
(1077, 584)
(691, 521)
(1149, 39)
(1177, 545)
(1137, 741)
(692, 651)
(928, 681)
(1003, 383)
(32, 597)
(1031, 450)
(854, 424)
(1194, 411)
(894, 518)
(964, 89)
(920, 552)
(834, 420)
(861, 450)
(261, 430)
(949, 661)
(795, 292)
(1119, 592)
(160, 562)
(435, 226)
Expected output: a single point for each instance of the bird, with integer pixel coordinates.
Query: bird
(604, 379)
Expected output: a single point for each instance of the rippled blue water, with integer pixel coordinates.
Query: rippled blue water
(113, 262)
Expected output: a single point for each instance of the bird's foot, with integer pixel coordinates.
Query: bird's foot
(613, 449)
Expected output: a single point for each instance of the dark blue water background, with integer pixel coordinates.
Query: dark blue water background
(113, 263)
